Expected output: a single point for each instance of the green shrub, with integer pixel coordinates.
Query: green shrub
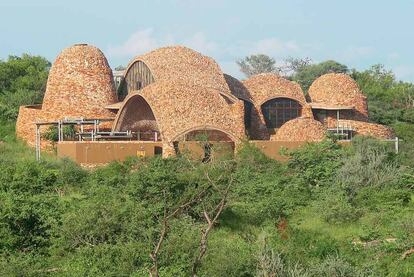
(316, 163)
(336, 209)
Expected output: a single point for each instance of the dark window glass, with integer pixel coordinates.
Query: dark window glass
(279, 110)
(247, 114)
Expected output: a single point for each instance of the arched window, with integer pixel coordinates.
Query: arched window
(279, 110)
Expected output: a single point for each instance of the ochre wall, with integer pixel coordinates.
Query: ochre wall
(96, 153)
(102, 152)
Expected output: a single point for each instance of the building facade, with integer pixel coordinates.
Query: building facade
(177, 94)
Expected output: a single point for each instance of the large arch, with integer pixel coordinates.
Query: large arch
(179, 63)
(279, 110)
(179, 108)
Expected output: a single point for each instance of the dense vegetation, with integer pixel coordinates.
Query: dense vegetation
(330, 211)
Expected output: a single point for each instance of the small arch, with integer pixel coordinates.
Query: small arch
(208, 133)
(136, 115)
(204, 143)
(277, 111)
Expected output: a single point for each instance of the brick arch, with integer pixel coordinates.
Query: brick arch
(232, 137)
(173, 106)
(136, 114)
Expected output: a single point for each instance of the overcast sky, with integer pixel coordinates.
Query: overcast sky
(358, 33)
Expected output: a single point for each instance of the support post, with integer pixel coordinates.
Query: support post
(156, 136)
(337, 121)
(37, 143)
(397, 146)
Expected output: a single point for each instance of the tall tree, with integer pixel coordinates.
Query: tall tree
(256, 64)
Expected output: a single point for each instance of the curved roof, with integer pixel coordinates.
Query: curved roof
(371, 129)
(173, 106)
(182, 64)
(80, 84)
(266, 86)
(301, 129)
(338, 89)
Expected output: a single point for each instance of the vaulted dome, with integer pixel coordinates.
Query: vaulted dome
(336, 89)
(301, 129)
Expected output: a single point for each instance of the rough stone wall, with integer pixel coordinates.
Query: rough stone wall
(263, 87)
(335, 89)
(25, 127)
(301, 129)
(80, 84)
(179, 108)
(371, 129)
(182, 64)
(266, 86)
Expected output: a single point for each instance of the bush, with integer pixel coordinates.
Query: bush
(316, 163)
(369, 163)
(336, 209)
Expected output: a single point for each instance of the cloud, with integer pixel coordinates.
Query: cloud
(404, 72)
(353, 53)
(200, 43)
(275, 46)
(138, 43)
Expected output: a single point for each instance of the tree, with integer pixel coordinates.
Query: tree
(307, 73)
(22, 82)
(389, 100)
(256, 64)
(120, 68)
(294, 65)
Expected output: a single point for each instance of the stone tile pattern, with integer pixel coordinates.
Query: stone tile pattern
(263, 87)
(80, 84)
(182, 64)
(301, 129)
(180, 108)
(340, 89)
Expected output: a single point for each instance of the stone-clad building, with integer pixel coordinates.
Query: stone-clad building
(177, 93)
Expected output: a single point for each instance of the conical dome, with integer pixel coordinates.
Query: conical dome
(80, 84)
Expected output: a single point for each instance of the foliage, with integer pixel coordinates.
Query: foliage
(52, 133)
(256, 64)
(306, 74)
(22, 82)
(331, 210)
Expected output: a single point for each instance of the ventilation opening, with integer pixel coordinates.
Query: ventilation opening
(81, 44)
(157, 150)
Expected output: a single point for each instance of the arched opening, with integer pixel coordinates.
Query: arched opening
(278, 111)
(204, 144)
(204, 135)
(138, 117)
(137, 77)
